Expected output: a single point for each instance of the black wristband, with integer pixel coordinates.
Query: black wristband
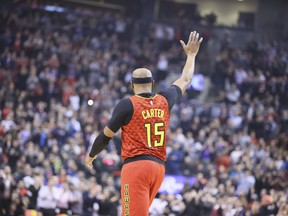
(99, 144)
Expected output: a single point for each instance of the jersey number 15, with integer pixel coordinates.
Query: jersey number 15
(157, 133)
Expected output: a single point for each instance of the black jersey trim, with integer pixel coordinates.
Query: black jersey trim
(147, 98)
(144, 157)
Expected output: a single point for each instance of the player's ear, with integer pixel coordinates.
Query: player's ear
(131, 84)
(153, 84)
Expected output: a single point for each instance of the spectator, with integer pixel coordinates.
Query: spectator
(65, 199)
(235, 145)
(174, 160)
(48, 197)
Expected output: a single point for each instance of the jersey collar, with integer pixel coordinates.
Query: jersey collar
(147, 94)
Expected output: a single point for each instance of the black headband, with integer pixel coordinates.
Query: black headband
(142, 80)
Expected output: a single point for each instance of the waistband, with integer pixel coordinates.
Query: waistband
(144, 157)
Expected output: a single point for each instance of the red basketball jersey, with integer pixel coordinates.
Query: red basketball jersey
(145, 134)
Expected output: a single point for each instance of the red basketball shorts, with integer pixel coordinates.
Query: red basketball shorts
(140, 182)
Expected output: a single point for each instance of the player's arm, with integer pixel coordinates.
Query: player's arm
(99, 144)
(172, 95)
(121, 116)
(191, 49)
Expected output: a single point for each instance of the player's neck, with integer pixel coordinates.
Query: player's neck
(142, 90)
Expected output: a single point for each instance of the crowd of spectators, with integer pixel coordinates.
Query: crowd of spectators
(52, 63)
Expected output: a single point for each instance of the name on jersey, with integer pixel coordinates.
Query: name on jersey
(153, 113)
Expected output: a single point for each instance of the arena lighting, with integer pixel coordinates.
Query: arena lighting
(90, 102)
(197, 82)
(52, 8)
(174, 184)
(98, 4)
(240, 0)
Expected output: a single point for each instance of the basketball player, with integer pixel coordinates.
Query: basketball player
(144, 120)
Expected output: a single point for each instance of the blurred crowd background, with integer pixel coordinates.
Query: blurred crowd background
(233, 141)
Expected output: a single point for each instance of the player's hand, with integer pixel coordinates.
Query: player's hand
(193, 44)
(88, 161)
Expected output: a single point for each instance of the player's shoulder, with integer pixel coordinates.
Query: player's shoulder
(172, 90)
(124, 101)
(124, 105)
(161, 96)
(171, 94)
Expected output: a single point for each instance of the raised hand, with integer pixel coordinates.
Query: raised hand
(193, 44)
